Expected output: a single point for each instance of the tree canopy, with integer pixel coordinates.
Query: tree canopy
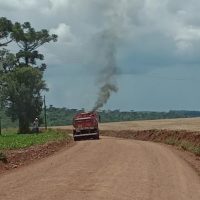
(29, 40)
(7, 61)
(22, 91)
(6, 29)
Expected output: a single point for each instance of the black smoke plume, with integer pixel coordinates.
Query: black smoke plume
(106, 57)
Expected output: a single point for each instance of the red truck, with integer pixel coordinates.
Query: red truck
(86, 124)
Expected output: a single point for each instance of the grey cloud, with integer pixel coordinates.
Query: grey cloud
(134, 20)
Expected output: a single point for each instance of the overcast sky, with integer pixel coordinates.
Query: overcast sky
(157, 50)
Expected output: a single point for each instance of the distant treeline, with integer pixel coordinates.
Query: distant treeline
(64, 116)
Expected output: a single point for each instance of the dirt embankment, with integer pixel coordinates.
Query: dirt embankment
(16, 158)
(157, 135)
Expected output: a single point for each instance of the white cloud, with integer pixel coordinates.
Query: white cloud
(64, 33)
(187, 39)
(188, 34)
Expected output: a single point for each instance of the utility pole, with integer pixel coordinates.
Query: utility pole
(45, 113)
(0, 125)
(0, 118)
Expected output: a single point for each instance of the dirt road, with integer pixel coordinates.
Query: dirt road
(110, 169)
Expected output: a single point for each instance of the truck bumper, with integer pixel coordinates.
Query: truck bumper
(85, 134)
(90, 133)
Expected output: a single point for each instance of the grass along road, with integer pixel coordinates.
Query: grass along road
(12, 140)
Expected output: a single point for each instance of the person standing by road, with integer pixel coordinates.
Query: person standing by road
(36, 125)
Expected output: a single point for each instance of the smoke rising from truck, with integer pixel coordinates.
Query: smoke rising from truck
(106, 57)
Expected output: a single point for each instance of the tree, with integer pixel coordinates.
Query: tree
(22, 94)
(21, 79)
(6, 28)
(7, 61)
(29, 40)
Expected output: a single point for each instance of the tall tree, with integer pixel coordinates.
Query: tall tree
(6, 28)
(22, 94)
(7, 64)
(21, 81)
(6, 58)
(29, 41)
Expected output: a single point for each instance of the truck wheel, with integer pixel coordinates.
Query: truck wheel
(97, 137)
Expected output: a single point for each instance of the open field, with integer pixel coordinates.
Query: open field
(191, 124)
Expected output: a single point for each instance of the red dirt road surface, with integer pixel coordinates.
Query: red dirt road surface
(109, 169)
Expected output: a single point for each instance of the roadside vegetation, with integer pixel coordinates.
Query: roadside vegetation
(11, 140)
(19, 149)
(185, 145)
